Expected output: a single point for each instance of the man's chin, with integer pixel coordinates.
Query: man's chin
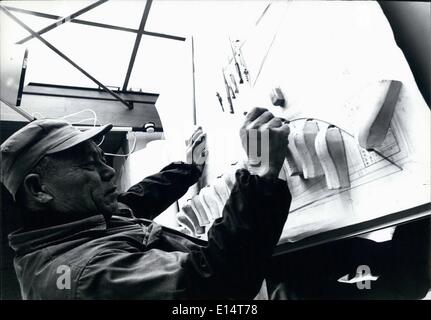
(110, 210)
(107, 216)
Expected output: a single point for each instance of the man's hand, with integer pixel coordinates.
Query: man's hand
(196, 152)
(265, 139)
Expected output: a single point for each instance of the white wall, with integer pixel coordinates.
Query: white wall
(148, 161)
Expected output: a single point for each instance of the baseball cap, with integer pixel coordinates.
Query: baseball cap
(21, 152)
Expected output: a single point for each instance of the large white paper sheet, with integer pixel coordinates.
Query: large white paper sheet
(326, 57)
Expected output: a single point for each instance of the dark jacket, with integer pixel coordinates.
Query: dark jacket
(131, 257)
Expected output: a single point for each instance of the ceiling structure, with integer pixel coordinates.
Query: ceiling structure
(127, 45)
(86, 8)
(102, 40)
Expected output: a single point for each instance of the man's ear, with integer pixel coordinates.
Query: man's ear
(35, 190)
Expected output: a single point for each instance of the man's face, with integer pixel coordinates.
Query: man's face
(83, 184)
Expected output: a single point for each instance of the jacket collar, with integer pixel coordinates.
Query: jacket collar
(26, 241)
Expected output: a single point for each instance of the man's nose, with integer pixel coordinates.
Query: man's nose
(108, 173)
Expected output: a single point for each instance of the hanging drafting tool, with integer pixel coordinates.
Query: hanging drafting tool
(232, 92)
(241, 58)
(232, 77)
(228, 93)
(238, 69)
(220, 100)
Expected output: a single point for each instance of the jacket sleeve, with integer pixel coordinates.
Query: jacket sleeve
(156, 193)
(230, 266)
(240, 243)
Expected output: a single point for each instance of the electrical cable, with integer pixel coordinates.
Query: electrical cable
(101, 141)
(79, 112)
(124, 155)
(87, 119)
(95, 122)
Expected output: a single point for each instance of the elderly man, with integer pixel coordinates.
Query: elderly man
(81, 239)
